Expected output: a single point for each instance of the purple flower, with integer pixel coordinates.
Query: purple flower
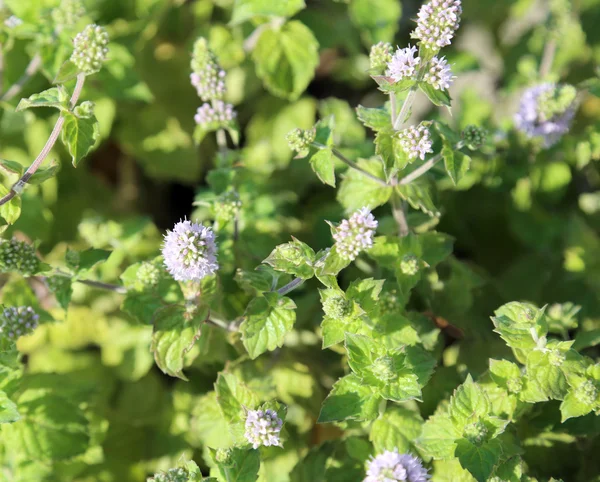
(416, 141)
(395, 467)
(355, 234)
(535, 119)
(217, 111)
(437, 22)
(439, 74)
(16, 321)
(403, 64)
(190, 251)
(263, 428)
(207, 75)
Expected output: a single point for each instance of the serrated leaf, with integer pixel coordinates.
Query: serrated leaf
(241, 465)
(68, 71)
(248, 9)
(438, 97)
(456, 163)
(398, 428)
(446, 132)
(266, 321)
(79, 135)
(418, 195)
(357, 190)
(56, 97)
(175, 333)
(82, 261)
(234, 399)
(571, 407)
(350, 399)
(334, 263)
(8, 409)
(468, 402)
(295, 258)
(323, 166)
(479, 460)
(286, 58)
(438, 437)
(377, 119)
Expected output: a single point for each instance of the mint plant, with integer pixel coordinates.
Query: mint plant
(312, 242)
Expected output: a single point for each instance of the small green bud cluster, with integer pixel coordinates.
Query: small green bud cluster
(474, 137)
(227, 204)
(389, 301)
(16, 321)
(476, 432)
(90, 49)
(587, 393)
(67, 13)
(514, 385)
(148, 275)
(409, 265)
(207, 75)
(18, 256)
(380, 55)
(57, 283)
(556, 358)
(337, 307)
(300, 140)
(171, 475)
(552, 103)
(384, 368)
(85, 109)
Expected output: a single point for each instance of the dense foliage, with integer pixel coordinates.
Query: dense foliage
(289, 241)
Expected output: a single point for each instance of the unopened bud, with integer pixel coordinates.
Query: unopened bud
(90, 49)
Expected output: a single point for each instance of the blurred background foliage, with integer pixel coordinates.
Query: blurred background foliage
(526, 221)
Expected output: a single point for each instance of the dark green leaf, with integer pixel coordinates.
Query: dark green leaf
(438, 97)
(79, 136)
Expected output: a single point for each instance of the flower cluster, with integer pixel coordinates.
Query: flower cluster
(67, 13)
(416, 141)
(190, 251)
(216, 111)
(13, 21)
(395, 467)
(16, 321)
(437, 22)
(380, 55)
(207, 75)
(546, 111)
(18, 256)
(300, 140)
(409, 265)
(148, 275)
(586, 392)
(263, 428)
(172, 475)
(439, 74)
(337, 307)
(227, 204)
(90, 49)
(355, 234)
(474, 137)
(403, 64)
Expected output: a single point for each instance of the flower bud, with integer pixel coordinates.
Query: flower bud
(514, 385)
(18, 256)
(586, 393)
(380, 56)
(207, 75)
(227, 204)
(67, 13)
(263, 428)
(556, 358)
(355, 234)
(409, 265)
(476, 432)
(416, 141)
(337, 307)
(300, 140)
(437, 22)
(216, 112)
(16, 321)
(13, 21)
(171, 475)
(148, 275)
(85, 109)
(384, 368)
(90, 49)
(474, 137)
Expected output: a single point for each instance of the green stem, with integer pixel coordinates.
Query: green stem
(548, 57)
(425, 167)
(399, 213)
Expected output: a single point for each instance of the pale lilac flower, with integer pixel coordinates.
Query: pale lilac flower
(16, 321)
(532, 121)
(189, 251)
(439, 74)
(207, 75)
(263, 428)
(437, 22)
(395, 467)
(403, 64)
(13, 21)
(217, 111)
(416, 141)
(355, 234)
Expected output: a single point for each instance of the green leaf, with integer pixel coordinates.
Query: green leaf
(323, 166)
(571, 407)
(377, 119)
(12, 167)
(51, 428)
(266, 322)
(286, 58)
(79, 135)
(362, 352)
(438, 97)
(438, 437)
(350, 399)
(377, 20)
(175, 333)
(312, 467)
(357, 190)
(62, 289)
(10, 211)
(366, 293)
(334, 263)
(67, 71)
(418, 195)
(505, 373)
(8, 409)
(456, 163)
(42, 175)
(83, 261)
(479, 460)
(398, 428)
(446, 133)
(55, 97)
(238, 465)
(388, 147)
(295, 258)
(468, 402)
(248, 9)
(234, 399)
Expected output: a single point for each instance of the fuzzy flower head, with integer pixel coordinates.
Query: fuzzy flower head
(380, 55)
(395, 467)
(416, 141)
(148, 275)
(16, 321)
(190, 251)
(355, 234)
(13, 21)
(215, 112)
(263, 428)
(67, 13)
(437, 21)
(439, 74)
(172, 475)
(403, 64)
(18, 256)
(207, 75)
(546, 112)
(90, 49)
